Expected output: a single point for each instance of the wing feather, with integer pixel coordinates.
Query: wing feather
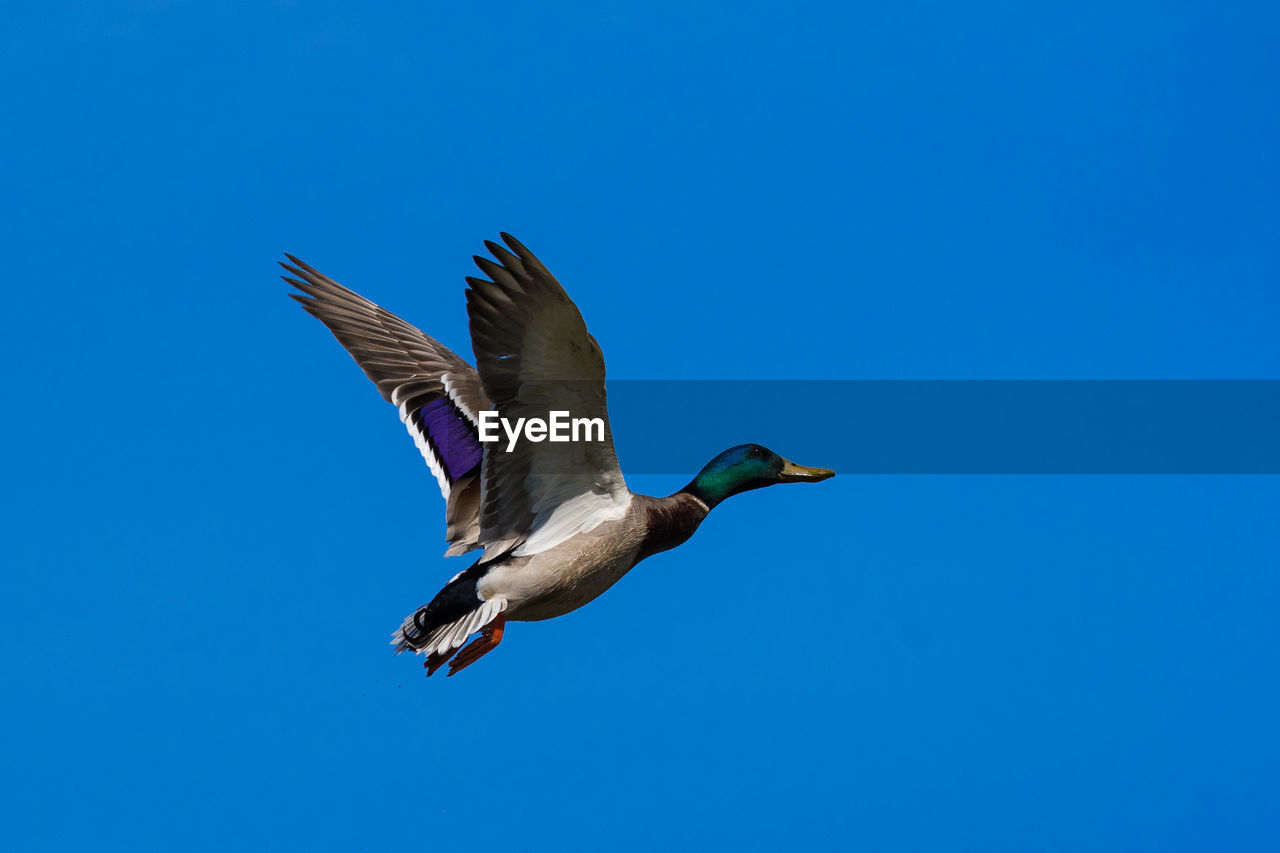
(436, 392)
(534, 356)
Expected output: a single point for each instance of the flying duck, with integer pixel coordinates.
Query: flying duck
(555, 520)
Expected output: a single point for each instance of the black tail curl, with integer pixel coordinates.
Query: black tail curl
(459, 597)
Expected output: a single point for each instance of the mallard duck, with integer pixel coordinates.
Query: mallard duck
(555, 520)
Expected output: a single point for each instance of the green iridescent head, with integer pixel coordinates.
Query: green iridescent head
(746, 467)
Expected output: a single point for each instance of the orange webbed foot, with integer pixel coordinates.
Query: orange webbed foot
(479, 647)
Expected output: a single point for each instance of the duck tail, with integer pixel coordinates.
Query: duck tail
(439, 628)
(420, 633)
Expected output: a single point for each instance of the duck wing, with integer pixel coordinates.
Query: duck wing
(437, 392)
(535, 356)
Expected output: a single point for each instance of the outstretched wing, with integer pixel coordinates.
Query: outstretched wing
(438, 394)
(535, 356)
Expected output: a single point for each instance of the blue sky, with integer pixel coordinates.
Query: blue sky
(213, 522)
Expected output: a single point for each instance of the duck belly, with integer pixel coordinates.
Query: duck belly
(551, 584)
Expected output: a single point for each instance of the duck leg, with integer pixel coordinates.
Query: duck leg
(434, 662)
(479, 647)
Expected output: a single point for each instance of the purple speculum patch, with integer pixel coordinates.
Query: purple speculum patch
(451, 436)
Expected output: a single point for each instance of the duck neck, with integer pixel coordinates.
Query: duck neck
(709, 488)
(670, 521)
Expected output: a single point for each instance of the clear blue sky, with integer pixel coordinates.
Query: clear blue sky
(212, 522)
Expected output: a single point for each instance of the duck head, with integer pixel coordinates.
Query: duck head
(746, 467)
